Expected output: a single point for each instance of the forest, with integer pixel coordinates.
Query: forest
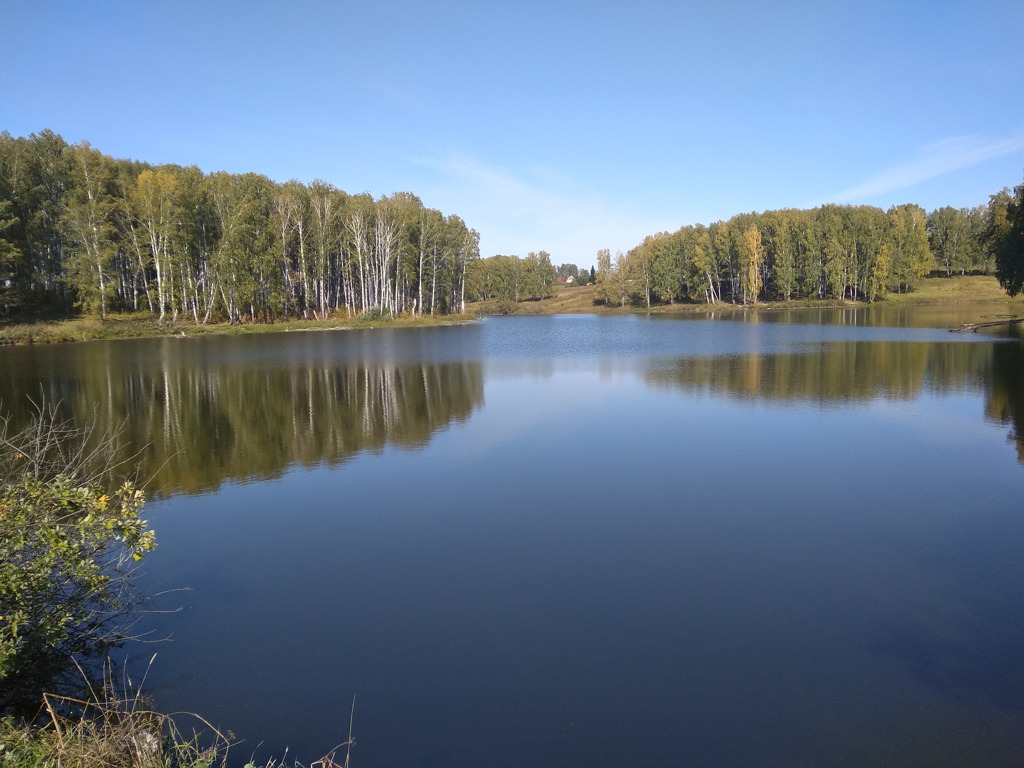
(857, 253)
(81, 231)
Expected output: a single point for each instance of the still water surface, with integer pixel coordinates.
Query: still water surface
(790, 539)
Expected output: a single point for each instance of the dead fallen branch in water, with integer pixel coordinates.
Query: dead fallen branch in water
(987, 324)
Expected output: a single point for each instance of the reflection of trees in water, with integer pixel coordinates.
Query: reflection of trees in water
(197, 426)
(1006, 401)
(833, 372)
(844, 372)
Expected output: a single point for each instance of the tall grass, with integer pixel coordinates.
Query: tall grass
(116, 727)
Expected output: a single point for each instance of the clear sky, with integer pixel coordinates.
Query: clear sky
(560, 126)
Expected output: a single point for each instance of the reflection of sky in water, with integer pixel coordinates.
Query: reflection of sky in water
(588, 336)
(623, 573)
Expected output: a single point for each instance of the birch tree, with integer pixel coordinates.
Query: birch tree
(153, 205)
(88, 220)
(911, 256)
(949, 235)
(753, 258)
(323, 234)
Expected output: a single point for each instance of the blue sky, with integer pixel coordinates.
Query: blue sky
(558, 126)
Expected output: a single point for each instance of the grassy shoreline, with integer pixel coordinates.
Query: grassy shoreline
(969, 289)
(137, 326)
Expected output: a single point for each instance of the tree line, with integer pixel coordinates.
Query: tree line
(82, 230)
(514, 279)
(859, 253)
(510, 278)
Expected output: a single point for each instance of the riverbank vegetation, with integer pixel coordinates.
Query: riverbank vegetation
(116, 727)
(70, 535)
(109, 729)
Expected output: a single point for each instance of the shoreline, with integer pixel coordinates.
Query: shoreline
(933, 291)
(142, 326)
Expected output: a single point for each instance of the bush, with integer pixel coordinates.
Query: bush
(375, 314)
(68, 546)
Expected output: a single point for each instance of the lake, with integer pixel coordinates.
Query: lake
(773, 539)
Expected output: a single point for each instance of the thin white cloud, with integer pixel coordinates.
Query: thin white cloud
(538, 209)
(934, 160)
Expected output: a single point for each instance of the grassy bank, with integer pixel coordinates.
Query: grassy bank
(968, 289)
(126, 733)
(143, 326)
(578, 300)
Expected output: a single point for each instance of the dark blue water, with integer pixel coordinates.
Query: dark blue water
(630, 541)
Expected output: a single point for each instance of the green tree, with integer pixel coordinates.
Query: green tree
(610, 287)
(539, 275)
(837, 245)
(467, 253)
(288, 218)
(89, 221)
(721, 255)
(45, 184)
(780, 253)
(753, 253)
(133, 258)
(949, 235)
(11, 257)
(10, 260)
(1006, 237)
(982, 259)
(667, 267)
(114, 233)
(325, 238)
(878, 285)
(911, 256)
(154, 206)
(38, 176)
(196, 241)
(244, 261)
(259, 280)
(566, 271)
(638, 272)
(705, 278)
(807, 255)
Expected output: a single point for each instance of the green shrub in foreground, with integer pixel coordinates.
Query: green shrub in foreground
(63, 548)
(68, 546)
